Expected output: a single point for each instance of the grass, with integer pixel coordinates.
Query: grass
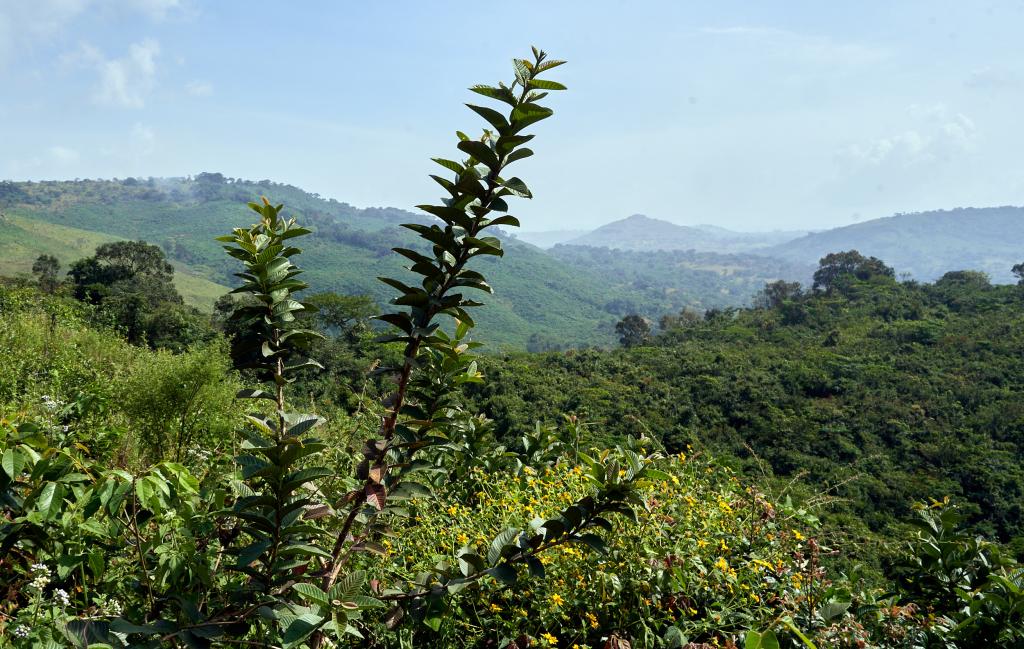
(23, 239)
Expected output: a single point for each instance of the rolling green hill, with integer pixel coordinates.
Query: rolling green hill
(24, 238)
(926, 244)
(535, 294)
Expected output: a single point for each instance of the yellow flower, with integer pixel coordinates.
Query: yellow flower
(550, 639)
(462, 538)
(798, 536)
(592, 619)
(557, 600)
(495, 608)
(722, 564)
(453, 510)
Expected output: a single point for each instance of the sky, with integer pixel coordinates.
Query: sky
(746, 115)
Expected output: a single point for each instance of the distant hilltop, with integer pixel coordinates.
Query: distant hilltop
(923, 245)
(926, 244)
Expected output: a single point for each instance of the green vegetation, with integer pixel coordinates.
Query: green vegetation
(876, 392)
(926, 244)
(349, 247)
(142, 505)
(24, 239)
(655, 282)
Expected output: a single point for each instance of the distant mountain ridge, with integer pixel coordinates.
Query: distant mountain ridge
(639, 232)
(925, 244)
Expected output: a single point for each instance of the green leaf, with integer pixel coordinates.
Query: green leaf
(255, 394)
(304, 423)
(803, 638)
(481, 152)
(504, 573)
(13, 462)
(311, 593)
(517, 187)
(300, 628)
(50, 500)
(496, 119)
(535, 567)
(518, 154)
(762, 640)
(501, 94)
(543, 84)
(594, 542)
(433, 622)
(498, 544)
(347, 586)
(449, 164)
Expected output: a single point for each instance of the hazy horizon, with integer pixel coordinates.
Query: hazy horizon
(746, 117)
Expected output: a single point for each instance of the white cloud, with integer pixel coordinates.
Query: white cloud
(808, 48)
(63, 155)
(937, 136)
(199, 88)
(25, 24)
(123, 82)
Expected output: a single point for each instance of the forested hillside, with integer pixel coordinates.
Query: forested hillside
(659, 282)
(877, 393)
(349, 249)
(925, 244)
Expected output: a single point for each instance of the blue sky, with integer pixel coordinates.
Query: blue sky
(755, 115)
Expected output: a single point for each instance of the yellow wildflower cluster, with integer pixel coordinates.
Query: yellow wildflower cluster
(698, 521)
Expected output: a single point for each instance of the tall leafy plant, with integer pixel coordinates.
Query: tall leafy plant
(275, 506)
(475, 204)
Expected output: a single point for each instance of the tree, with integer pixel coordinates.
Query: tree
(124, 261)
(132, 283)
(775, 294)
(45, 269)
(967, 279)
(342, 314)
(1018, 271)
(135, 258)
(835, 269)
(685, 318)
(633, 330)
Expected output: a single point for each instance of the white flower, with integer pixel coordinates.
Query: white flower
(40, 576)
(61, 597)
(20, 632)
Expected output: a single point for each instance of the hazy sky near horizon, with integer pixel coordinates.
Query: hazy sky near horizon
(766, 115)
